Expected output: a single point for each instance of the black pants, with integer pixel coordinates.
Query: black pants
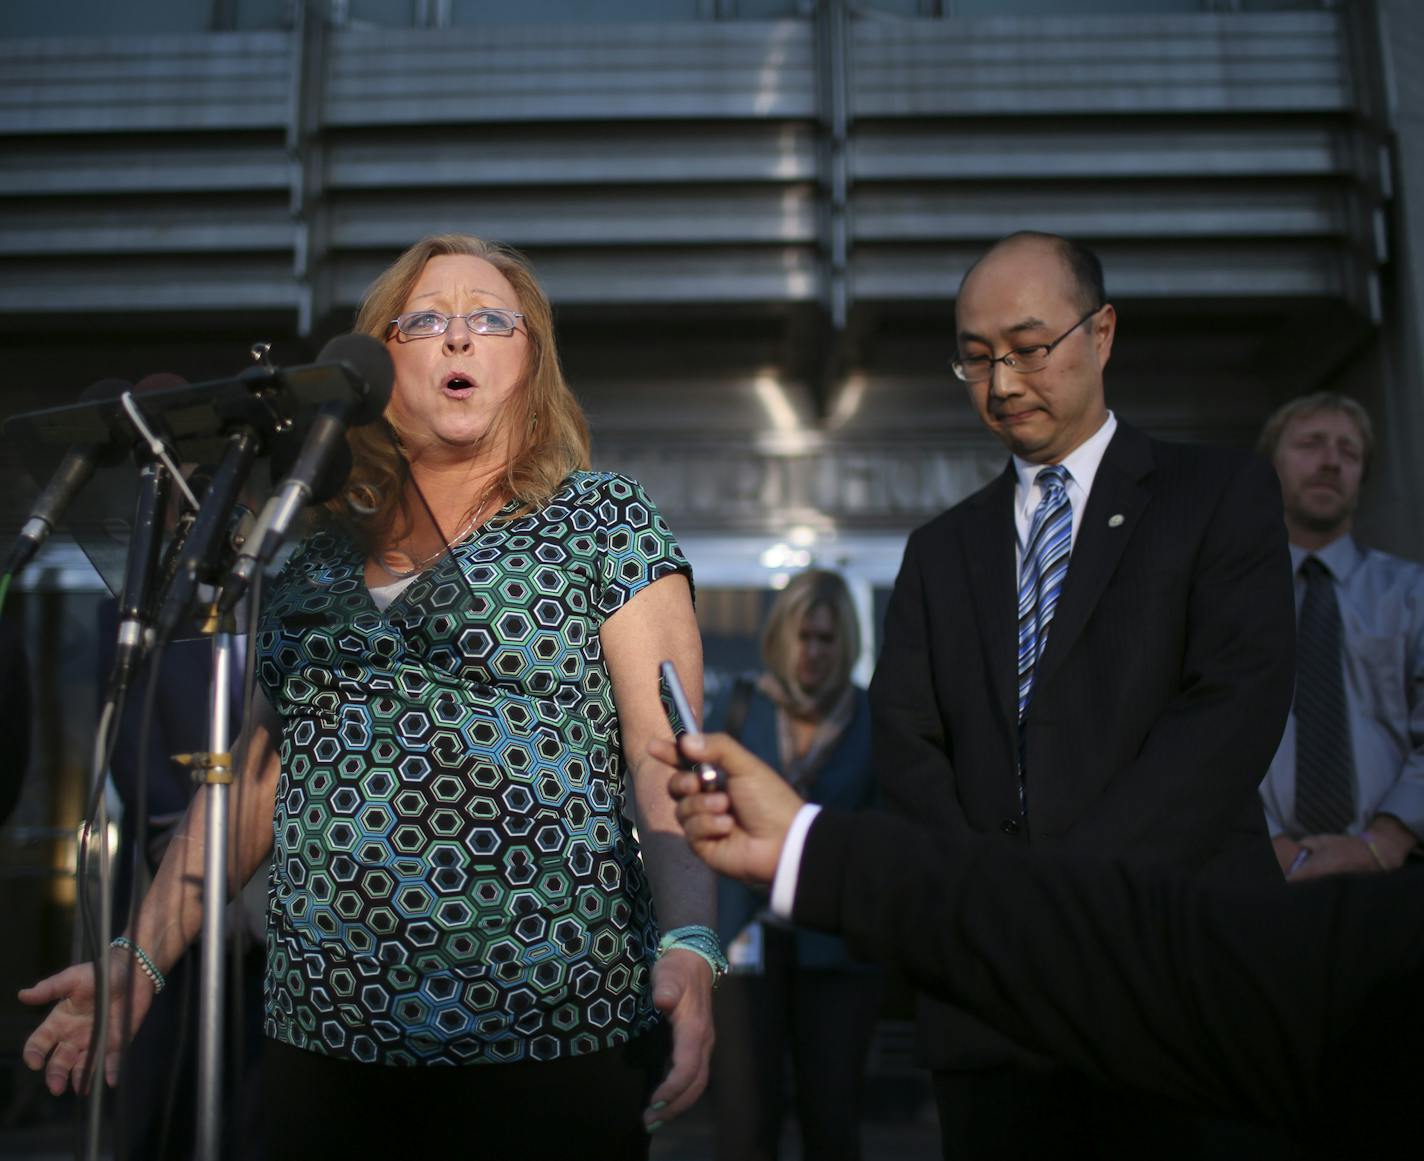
(825, 1019)
(579, 1107)
(1014, 1113)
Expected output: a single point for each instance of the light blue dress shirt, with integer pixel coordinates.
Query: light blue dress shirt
(1381, 601)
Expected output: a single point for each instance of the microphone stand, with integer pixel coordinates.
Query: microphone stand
(141, 565)
(203, 561)
(215, 772)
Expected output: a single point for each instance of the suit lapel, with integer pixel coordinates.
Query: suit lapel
(1102, 538)
(988, 547)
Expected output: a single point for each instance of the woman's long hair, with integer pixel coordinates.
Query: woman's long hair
(542, 423)
(781, 636)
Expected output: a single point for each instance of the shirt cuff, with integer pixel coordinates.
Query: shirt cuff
(788, 866)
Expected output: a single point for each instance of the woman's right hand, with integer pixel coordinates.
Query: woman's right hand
(60, 1045)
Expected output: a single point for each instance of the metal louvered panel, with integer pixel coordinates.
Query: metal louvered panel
(1152, 269)
(188, 164)
(573, 72)
(151, 225)
(1087, 209)
(760, 222)
(129, 84)
(710, 277)
(172, 284)
(570, 217)
(1051, 65)
(610, 153)
(1096, 148)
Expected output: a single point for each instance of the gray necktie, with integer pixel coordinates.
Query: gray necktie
(1324, 766)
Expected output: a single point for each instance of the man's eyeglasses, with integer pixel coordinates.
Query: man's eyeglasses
(1024, 360)
(488, 320)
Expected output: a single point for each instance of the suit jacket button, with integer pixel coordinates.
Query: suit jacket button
(1009, 826)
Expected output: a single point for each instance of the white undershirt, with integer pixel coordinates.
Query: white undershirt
(383, 595)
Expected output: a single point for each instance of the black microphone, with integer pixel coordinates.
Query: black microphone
(199, 481)
(201, 552)
(155, 482)
(324, 461)
(74, 471)
(144, 575)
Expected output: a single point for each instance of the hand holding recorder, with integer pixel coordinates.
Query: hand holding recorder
(738, 831)
(710, 778)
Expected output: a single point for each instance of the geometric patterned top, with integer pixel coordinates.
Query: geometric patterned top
(454, 879)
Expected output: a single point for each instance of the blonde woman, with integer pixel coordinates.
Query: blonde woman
(466, 949)
(796, 992)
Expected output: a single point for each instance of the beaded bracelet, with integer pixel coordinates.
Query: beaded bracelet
(1369, 841)
(700, 940)
(150, 969)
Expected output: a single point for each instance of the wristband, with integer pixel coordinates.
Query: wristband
(1369, 841)
(150, 969)
(700, 940)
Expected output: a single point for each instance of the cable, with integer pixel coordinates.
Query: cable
(97, 818)
(141, 876)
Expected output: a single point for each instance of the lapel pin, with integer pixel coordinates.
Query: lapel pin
(1115, 520)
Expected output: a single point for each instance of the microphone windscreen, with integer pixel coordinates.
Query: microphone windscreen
(104, 389)
(112, 451)
(159, 381)
(368, 359)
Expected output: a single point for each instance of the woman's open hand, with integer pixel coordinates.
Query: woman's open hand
(60, 1045)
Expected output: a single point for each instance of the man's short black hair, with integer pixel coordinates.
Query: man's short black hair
(1083, 265)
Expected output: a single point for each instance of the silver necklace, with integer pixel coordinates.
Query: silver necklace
(402, 564)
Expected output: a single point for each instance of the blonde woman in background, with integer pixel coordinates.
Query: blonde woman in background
(796, 992)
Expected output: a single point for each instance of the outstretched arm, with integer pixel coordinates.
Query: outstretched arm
(1265, 1002)
(168, 919)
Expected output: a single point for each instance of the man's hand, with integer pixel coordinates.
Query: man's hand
(682, 992)
(1334, 854)
(738, 832)
(1287, 850)
(1342, 854)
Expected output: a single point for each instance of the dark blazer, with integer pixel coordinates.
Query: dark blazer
(1302, 1006)
(1157, 706)
(846, 780)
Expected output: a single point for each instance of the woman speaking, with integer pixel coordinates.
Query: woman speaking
(468, 949)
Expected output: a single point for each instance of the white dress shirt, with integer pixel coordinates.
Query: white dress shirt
(788, 865)
(1082, 464)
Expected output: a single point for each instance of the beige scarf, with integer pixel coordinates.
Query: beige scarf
(831, 722)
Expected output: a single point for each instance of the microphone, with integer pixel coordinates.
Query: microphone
(74, 471)
(324, 461)
(154, 484)
(144, 575)
(204, 543)
(199, 480)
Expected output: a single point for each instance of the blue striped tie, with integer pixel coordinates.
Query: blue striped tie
(1045, 565)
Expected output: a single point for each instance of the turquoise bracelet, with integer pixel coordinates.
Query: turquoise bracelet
(150, 969)
(700, 940)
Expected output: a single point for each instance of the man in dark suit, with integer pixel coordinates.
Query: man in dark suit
(1302, 1008)
(1093, 653)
